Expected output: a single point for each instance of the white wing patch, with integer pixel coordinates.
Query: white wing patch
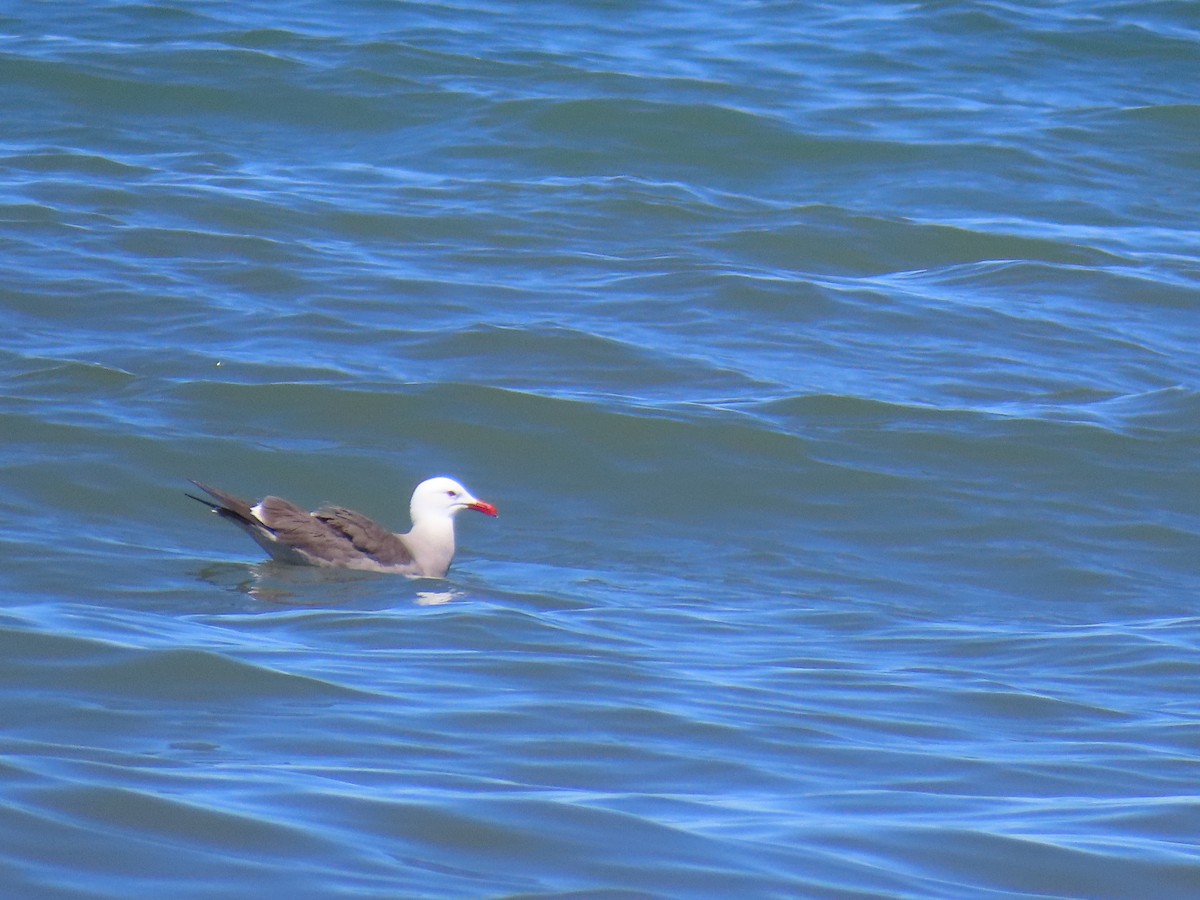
(257, 509)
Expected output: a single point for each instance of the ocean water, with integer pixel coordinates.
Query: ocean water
(834, 369)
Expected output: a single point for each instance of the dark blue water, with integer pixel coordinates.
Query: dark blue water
(833, 368)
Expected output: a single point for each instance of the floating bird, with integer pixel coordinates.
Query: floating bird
(338, 537)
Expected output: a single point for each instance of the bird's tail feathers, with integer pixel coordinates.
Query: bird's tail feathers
(226, 506)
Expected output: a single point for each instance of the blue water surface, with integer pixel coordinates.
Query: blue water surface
(833, 367)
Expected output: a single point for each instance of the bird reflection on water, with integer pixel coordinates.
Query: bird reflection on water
(279, 584)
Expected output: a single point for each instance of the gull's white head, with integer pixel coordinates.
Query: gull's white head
(444, 498)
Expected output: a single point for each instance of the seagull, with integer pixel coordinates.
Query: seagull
(333, 536)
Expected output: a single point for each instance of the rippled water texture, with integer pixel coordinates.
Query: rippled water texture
(833, 367)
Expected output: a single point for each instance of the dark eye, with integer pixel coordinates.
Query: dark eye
(451, 493)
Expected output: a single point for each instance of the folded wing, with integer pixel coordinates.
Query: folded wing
(364, 536)
(331, 536)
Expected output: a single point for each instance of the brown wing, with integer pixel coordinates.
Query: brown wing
(330, 536)
(284, 530)
(293, 528)
(367, 537)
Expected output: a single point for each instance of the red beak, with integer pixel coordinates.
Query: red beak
(486, 508)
